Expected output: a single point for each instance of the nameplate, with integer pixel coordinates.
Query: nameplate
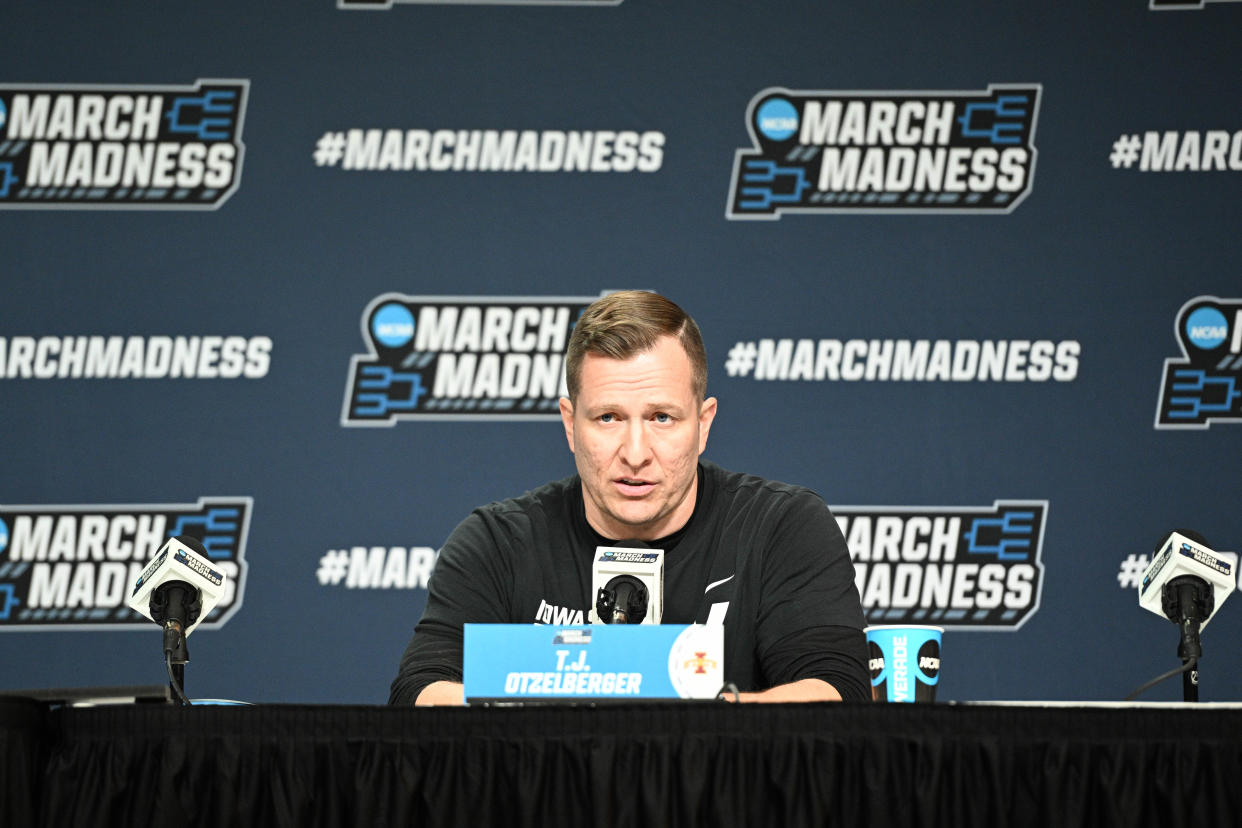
(620, 662)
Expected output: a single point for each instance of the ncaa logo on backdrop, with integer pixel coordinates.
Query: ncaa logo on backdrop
(387, 4)
(460, 358)
(70, 567)
(1204, 386)
(886, 152)
(974, 568)
(121, 147)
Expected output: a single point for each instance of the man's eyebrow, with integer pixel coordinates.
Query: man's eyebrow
(664, 406)
(605, 405)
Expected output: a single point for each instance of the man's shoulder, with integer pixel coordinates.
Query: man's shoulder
(754, 511)
(742, 487)
(528, 520)
(551, 499)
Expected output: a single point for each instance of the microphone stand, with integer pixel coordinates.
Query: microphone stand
(1190, 683)
(1190, 600)
(1189, 650)
(177, 653)
(1186, 601)
(175, 604)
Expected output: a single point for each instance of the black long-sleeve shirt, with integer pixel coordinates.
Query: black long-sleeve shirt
(768, 557)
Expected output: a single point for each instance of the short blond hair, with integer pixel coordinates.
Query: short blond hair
(629, 322)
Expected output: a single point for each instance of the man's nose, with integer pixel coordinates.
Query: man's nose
(635, 448)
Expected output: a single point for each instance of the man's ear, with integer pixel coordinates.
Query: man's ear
(567, 418)
(707, 414)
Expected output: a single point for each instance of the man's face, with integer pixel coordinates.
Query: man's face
(636, 431)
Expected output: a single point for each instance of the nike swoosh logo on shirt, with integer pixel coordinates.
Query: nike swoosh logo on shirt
(715, 584)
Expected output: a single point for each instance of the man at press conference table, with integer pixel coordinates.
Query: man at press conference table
(765, 558)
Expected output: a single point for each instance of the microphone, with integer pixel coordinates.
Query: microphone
(179, 587)
(628, 583)
(1186, 582)
(177, 590)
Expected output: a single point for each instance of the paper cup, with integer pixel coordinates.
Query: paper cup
(904, 662)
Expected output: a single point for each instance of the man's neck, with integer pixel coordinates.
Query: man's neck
(667, 538)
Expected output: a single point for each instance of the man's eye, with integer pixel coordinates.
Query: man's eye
(605, 418)
(663, 418)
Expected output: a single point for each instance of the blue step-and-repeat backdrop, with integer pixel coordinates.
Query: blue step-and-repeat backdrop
(296, 278)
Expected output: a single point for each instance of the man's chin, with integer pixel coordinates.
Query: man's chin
(632, 524)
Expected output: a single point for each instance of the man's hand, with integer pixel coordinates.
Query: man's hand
(805, 690)
(444, 692)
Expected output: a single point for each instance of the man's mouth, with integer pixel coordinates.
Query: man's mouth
(633, 485)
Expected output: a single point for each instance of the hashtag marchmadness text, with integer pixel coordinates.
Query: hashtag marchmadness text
(905, 360)
(1131, 574)
(1174, 151)
(377, 567)
(442, 150)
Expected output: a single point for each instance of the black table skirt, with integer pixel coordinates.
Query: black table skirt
(640, 765)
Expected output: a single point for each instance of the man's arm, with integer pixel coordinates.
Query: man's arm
(804, 690)
(834, 658)
(811, 619)
(467, 585)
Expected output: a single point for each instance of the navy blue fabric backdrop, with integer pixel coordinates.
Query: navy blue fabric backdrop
(286, 276)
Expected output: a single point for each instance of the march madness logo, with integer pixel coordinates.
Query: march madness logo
(886, 152)
(460, 358)
(973, 568)
(70, 567)
(387, 4)
(1205, 385)
(121, 147)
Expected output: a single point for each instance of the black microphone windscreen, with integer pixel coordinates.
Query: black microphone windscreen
(194, 543)
(1189, 533)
